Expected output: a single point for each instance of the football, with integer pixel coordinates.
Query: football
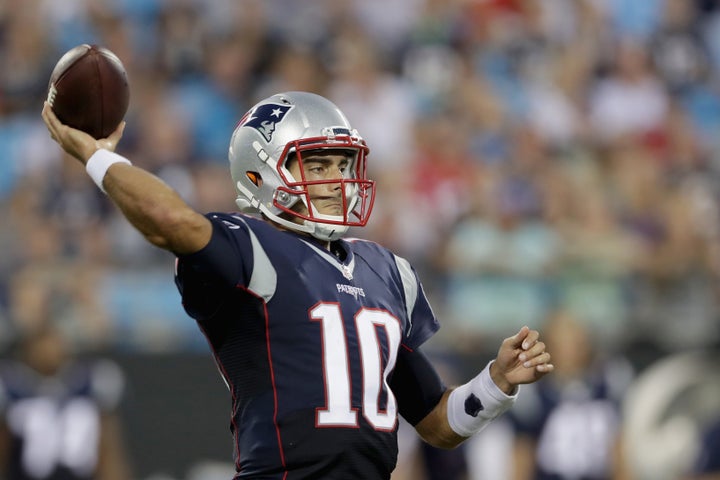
(89, 90)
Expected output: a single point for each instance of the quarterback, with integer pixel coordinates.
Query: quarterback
(318, 337)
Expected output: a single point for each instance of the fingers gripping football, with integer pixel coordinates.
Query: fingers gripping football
(76, 142)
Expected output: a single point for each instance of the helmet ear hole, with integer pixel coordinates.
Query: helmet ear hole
(255, 178)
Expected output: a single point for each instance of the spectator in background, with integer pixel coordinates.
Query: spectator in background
(677, 47)
(498, 255)
(378, 101)
(631, 99)
(58, 413)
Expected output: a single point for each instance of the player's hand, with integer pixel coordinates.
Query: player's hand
(521, 359)
(76, 142)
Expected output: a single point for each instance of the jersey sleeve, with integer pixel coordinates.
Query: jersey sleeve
(416, 385)
(422, 322)
(205, 277)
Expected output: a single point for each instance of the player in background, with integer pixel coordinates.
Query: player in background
(707, 464)
(569, 427)
(58, 413)
(317, 337)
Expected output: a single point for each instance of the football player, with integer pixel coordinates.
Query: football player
(317, 337)
(59, 416)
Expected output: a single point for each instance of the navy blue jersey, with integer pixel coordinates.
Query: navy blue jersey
(54, 422)
(307, 341)
(708, 460)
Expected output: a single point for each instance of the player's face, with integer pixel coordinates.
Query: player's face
(322, 166)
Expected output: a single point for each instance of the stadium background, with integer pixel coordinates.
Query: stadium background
(531, 157)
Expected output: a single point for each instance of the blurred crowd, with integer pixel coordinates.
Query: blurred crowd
(532, 157)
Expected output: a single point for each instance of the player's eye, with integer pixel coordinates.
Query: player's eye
(316, 169)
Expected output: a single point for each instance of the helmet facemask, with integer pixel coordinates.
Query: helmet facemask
(357, 194)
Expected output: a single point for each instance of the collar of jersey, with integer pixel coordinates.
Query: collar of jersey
(348, 264)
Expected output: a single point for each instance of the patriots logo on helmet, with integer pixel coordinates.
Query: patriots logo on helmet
(265, 118)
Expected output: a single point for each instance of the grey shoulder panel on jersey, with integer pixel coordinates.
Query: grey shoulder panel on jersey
(263, 281)
(410, 287)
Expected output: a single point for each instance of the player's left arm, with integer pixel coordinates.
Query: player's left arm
(467, 409)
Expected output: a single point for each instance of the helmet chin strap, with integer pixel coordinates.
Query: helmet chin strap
(322, 231)
(325, 231)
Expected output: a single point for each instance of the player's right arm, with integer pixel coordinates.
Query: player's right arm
(149, 204)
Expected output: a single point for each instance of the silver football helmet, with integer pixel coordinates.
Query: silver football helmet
(283, 127)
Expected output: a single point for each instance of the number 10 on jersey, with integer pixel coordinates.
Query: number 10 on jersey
(338, 411)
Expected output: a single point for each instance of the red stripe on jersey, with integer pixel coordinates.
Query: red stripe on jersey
(272, 377)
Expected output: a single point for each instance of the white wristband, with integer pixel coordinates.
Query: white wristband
(98, 164)
(471, 407)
